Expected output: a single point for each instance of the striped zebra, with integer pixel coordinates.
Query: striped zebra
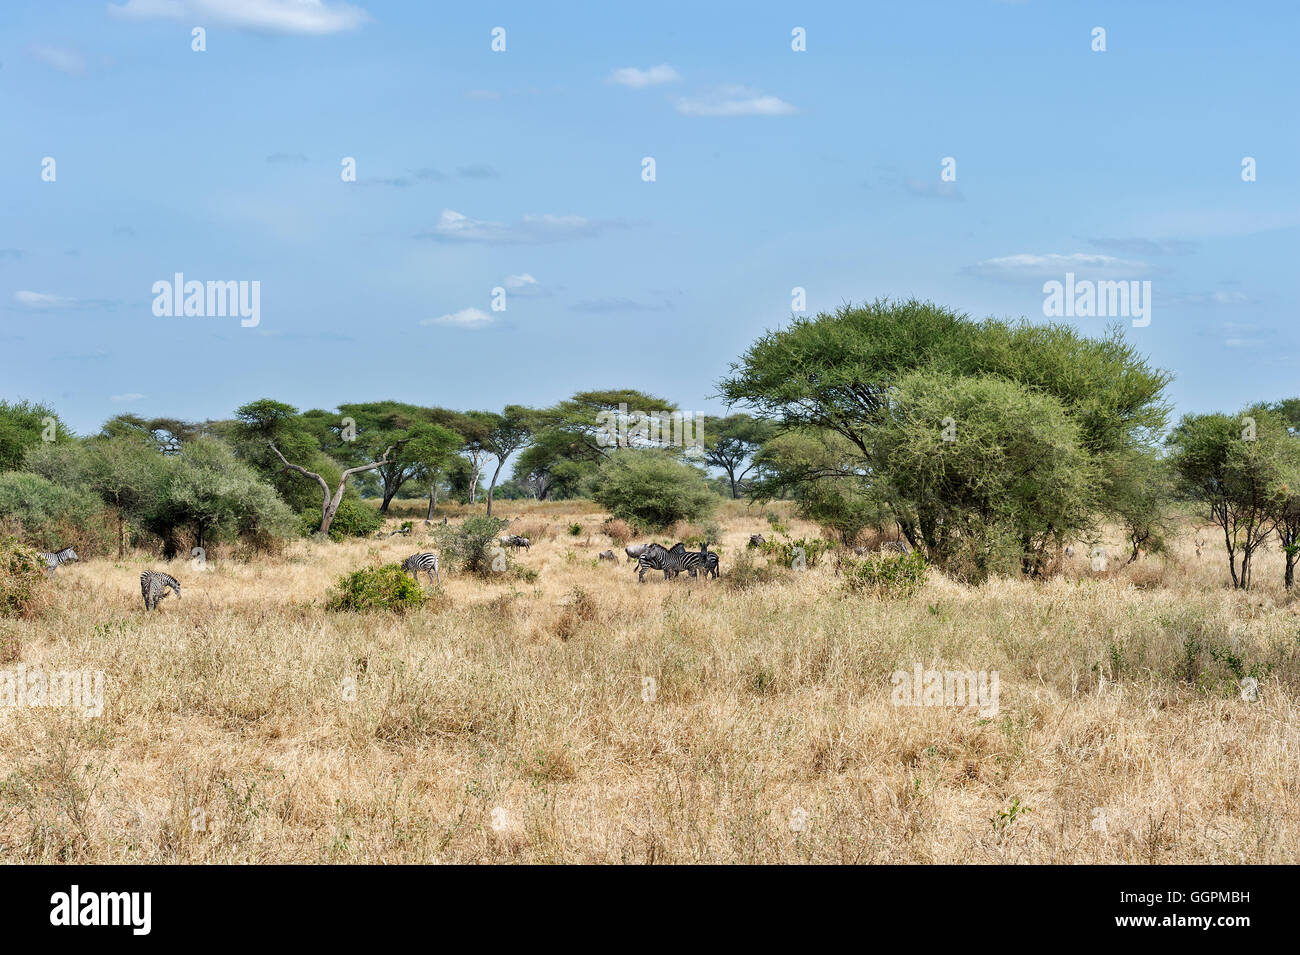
(703, 561)
(422, 563)
(52, 561)
(154, 585)
(657, 557)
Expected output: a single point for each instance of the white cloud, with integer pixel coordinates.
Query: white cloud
(734, 101)
(456, 227)
(1028, 265)
(41, 300)
(465, 318)
(522, 280)
(640, 79)
(129, 396)
(65, 61)
(312, 17)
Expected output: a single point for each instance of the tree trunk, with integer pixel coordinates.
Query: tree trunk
(433, 501)
(493, 486)
(121, 535)
(330, 504)
(388, 499)
(1290, 567)
(731, 475)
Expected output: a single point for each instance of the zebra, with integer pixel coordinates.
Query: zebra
(658, 557)
(426, 563)
(52, 561)
(514, 540)
(634, 551)
(703, 561)
(153, 587)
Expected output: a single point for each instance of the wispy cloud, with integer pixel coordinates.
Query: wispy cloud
(524, 285)
(478, 170)
(42, 300)
(307, 17)
(64, 60)
(286, 158)
(465, 318)
(1215, 297)
(1028, 265)
(734, 101)
(640, 79)
(129, 396)
(455, 227)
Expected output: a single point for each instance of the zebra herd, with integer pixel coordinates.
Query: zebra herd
(674, 560)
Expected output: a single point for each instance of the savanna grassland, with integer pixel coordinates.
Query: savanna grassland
(505, 720)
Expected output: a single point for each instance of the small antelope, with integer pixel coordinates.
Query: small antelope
(1199, 544)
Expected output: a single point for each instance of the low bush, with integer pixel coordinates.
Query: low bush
(618, 530)
(887, 576)
(376, 588)
(791, 550)
(354, 518)
(474, 546)
(25, 587)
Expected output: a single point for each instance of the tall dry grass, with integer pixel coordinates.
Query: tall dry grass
(586, 718)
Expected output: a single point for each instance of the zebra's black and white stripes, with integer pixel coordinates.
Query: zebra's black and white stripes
(422, 563)
(656, 557)
(52, 561)
(154, 585)
(674, 560)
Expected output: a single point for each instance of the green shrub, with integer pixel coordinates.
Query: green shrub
(24, 584)
(376, 588)
(887, 576)
(354, 518)
(47, 515)
(786, 552)
(652, 489)
(575, 529)
(473, 545)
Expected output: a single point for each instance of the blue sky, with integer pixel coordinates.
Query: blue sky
(523, 169)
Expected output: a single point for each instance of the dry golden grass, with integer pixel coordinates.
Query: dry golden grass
(506, 721)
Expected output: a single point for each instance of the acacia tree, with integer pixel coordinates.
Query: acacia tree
(1232, 466)
(432, 448)
(330, 502)
(842, 373)
(507, 433)
(571, 438)
(732, 444)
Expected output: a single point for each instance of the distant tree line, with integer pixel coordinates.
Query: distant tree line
(988, 445)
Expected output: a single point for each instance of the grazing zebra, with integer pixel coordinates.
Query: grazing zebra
(634, 551)
(153, 587)
(607, 555)
(514, 540)
(426, 563)
(52, 561)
